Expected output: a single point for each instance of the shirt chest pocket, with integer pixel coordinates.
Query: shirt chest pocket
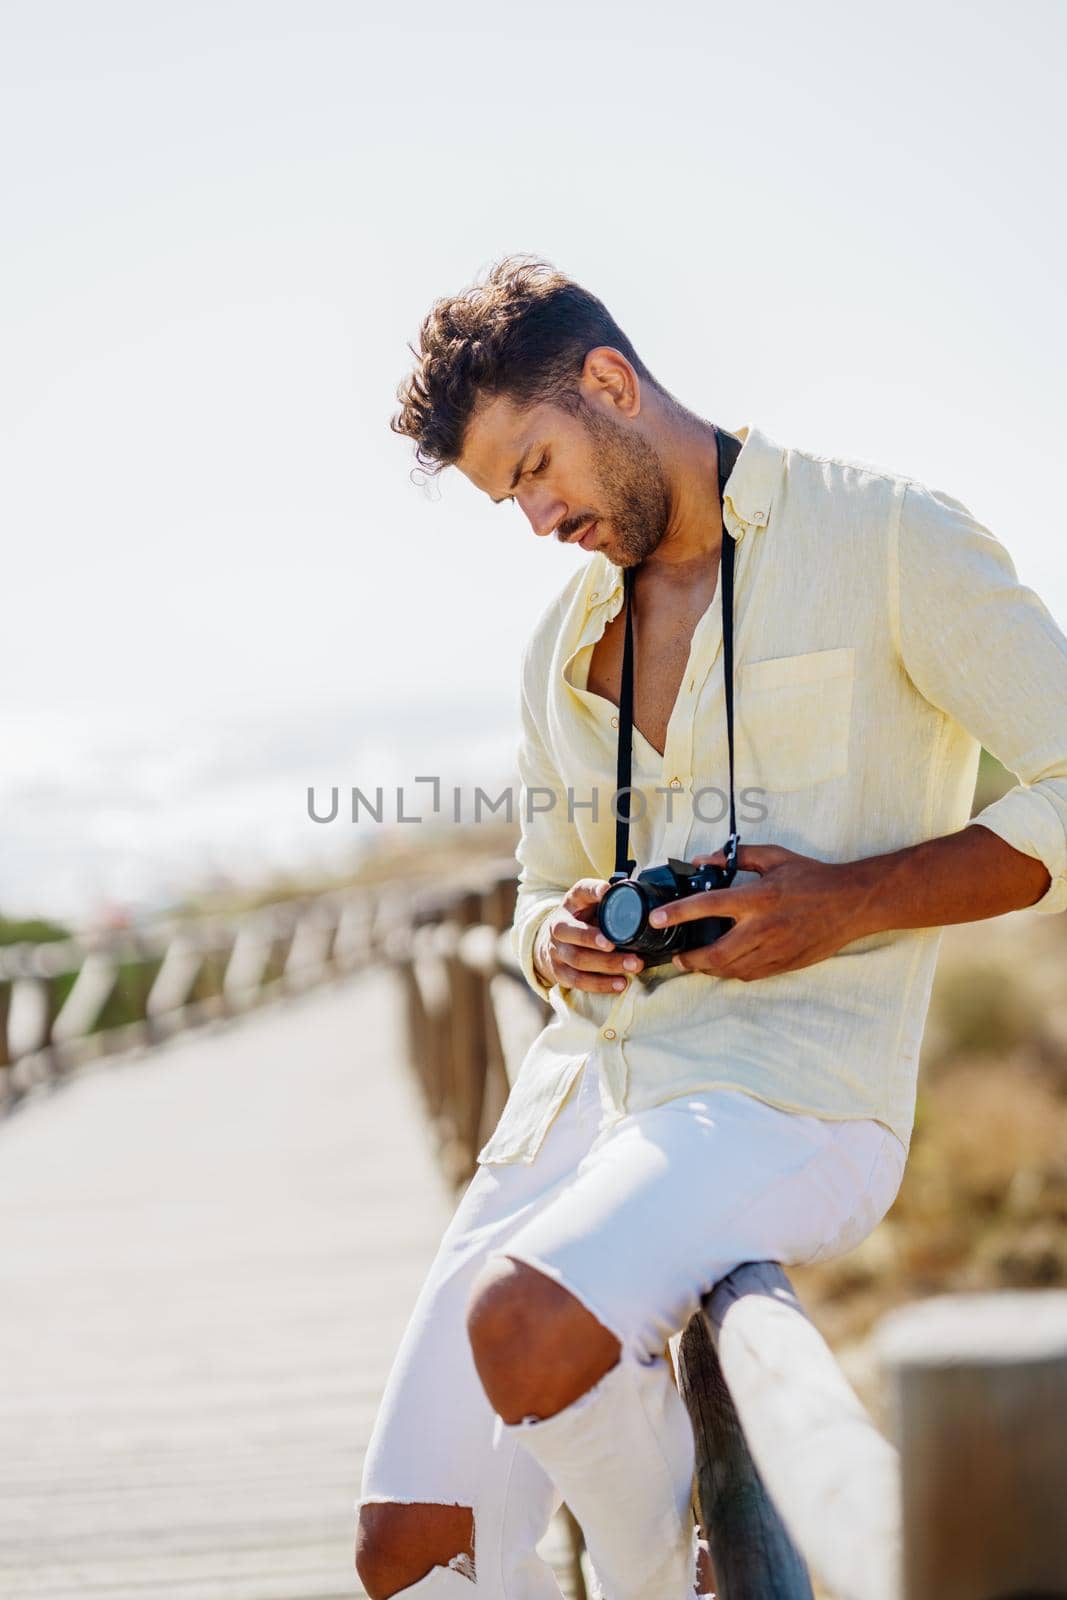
(793, 718)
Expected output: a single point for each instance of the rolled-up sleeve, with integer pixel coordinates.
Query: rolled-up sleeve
(550, 853)
(984, 649)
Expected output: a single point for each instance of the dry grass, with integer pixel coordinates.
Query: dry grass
(983, 1204)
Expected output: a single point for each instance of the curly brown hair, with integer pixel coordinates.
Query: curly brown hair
(523, 331)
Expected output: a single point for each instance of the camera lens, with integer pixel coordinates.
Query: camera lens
(621, 912)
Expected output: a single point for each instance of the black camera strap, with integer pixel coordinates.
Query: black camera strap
(729, 448)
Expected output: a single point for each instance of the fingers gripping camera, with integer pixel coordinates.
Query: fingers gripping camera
(623, 913)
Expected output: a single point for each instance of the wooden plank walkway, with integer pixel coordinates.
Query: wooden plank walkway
(207, 1257)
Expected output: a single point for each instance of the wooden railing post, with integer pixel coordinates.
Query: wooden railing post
(54, 987)
(282, 930)
(832, 1478)
(209, 990)
(7, 1089)
(978, 1387)
(145, 960)
(88, 995)
(467, 1054)
(753, 1555)
(432, 1042)
(352, 945)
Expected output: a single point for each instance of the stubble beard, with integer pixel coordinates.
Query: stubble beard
(632, 488)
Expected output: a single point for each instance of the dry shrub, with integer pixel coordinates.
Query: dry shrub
(983, 1203)
(983, 1125)
(978, 1009)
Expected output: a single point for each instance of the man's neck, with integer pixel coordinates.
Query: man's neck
(694, 528)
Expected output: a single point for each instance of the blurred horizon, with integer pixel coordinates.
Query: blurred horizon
(127, 825)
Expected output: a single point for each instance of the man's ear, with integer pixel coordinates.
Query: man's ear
(607, 376)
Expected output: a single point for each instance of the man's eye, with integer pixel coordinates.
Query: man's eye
(531, 472)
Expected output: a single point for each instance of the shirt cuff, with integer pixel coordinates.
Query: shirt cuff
(1030, 823)
(523, 939)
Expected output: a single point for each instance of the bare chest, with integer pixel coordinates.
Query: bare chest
(664, 624)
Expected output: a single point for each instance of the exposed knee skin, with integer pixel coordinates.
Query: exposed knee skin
(536, 1347)
(397, 1544)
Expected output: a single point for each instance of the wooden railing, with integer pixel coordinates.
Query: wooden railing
(67, 1003)
(453, 958)
(791, 1472)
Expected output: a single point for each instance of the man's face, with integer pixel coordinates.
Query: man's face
(571, 472)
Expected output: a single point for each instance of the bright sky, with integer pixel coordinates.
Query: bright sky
(222, 223)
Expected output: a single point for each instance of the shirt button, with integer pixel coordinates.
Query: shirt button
(676, 783)
(609, 1033)
(614, 722)
(595, 595)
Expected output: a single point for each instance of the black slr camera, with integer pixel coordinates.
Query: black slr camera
(622, 915)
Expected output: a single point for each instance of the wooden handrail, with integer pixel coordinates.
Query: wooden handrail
(791, 1473)
(86, 998)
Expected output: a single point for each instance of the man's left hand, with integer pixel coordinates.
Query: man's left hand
(800, 911)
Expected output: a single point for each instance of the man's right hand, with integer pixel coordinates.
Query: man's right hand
(572, 951)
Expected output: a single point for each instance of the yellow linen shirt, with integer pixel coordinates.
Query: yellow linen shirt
(881, 634)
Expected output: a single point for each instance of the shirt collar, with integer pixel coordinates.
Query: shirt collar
(752, 485)
(747, 503)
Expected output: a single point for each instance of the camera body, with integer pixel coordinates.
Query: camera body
(622, 915)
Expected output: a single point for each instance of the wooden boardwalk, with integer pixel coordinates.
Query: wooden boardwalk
(208, 1256)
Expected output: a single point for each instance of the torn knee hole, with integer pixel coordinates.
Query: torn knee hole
(464, 1565)
(399, 1542)
(463, 1561)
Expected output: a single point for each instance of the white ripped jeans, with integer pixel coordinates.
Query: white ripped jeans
(637, 1221)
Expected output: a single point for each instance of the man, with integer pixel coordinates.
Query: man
(752, 1099)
